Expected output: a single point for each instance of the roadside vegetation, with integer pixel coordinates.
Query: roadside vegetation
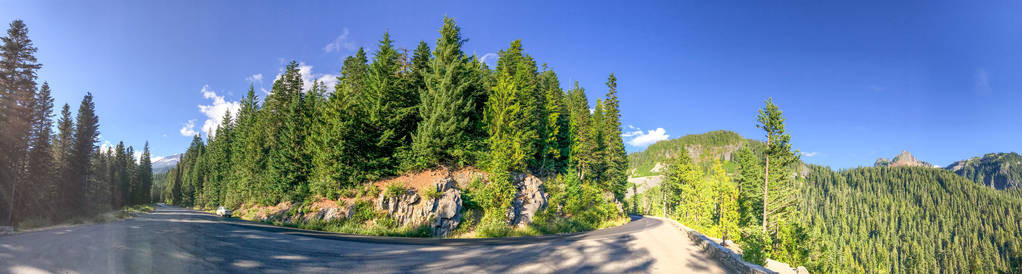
(392, 112)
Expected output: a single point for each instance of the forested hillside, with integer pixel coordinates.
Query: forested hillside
(701, 148)
(50, 177)
(995, 170)
(905, 216)
(911, 219)
(392, 113)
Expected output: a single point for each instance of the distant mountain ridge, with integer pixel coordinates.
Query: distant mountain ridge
(165, 163)
(702, 148)
(902, 159)
(995, 170)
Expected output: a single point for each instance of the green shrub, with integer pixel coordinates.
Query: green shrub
(756, 245)
(395, 190)
(350, 192)
(363, 211)
(430, 193)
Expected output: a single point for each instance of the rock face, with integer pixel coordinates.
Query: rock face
(903, 159)
(995, 170)
(529, 199)
(442, 213)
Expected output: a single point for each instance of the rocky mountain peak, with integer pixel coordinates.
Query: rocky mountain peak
(902, 159)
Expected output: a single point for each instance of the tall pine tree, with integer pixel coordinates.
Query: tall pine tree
(86, 134)
(615, 158)
(780, 158)
(448, 107)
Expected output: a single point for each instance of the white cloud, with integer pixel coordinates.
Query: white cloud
(488, 55)
(137, 156)
(258, 77)
(983, 83)
(327, 79)
(810, 154)
(188, 130)
(342, 42)
(637, 138)
(105, 146)
(215, 112)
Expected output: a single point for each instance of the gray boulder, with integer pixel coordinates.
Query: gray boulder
(530, 197)
(442, 213)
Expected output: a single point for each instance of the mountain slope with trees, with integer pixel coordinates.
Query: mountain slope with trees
(701, 148)
(901, 219)
(902, 216)
(995, 170)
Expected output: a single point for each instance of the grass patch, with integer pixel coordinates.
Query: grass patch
(430, 193)
(40, 222)
(395, 189)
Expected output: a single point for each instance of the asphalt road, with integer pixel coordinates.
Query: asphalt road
(176, 240)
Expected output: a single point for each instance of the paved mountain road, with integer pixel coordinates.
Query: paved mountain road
(176, 240)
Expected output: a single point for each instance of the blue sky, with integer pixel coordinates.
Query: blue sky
(856, 80)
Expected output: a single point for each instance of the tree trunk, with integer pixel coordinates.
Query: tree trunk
(766, 180)
(11, 209)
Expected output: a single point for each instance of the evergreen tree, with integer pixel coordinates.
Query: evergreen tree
(750, 178)
(145, 176)
(287, 163)
(615, 161)
(62, 147)
(448, 109)
(389, 108)
(41, 177)
(726, 201)
(583, 156)
(249, 150)
(86, 133)
(122, 184)
(778, 149)
(340, 140)
(554, 144)
(420, 67)
(17, 92)
(511, 112)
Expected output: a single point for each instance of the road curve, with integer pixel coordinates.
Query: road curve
(176, 240)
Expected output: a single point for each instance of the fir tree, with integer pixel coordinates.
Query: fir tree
(554, 144)
(287, 162)
(86, 133)
(615, 161)
(778, 149)
(17, 92)
(145, 175)
(583, 156)
(447, 108)
(41, 176)
(726, 202)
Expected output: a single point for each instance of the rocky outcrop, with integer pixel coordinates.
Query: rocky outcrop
(529, 199)
(902, 159)
(642, 184)
(995, 170)
(442, 213)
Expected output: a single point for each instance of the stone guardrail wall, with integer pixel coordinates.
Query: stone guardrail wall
(730, 260)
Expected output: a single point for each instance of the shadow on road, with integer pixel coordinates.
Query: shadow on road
(174, 240)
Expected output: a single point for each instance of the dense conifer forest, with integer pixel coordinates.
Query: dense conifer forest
(862, 220)
(394, 112)
(48, 176)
